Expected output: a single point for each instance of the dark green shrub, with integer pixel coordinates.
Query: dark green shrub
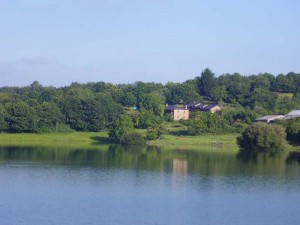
(156, 132)
(262, 137)
(152, 134)
(120, 127)
(133, 138)
(292, 129)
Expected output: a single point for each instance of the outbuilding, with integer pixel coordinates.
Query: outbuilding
(269, 118)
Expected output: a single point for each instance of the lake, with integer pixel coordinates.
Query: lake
(134, 186)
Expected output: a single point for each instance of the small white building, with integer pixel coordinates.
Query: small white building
(293, 114)
(269, 118)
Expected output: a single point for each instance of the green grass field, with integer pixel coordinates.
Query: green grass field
(70, 140)
(100, 140)
(94, 140)
(224, 141)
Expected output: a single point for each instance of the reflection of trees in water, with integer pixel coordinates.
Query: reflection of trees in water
(152, 158)
(257, 157)
(245, 156)
(293, 157)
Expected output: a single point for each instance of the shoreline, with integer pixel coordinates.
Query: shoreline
(92, 139)
(97, 140)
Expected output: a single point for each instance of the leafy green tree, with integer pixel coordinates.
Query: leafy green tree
(263, 98)
(128, 99)
(3, 124)
(177, 93)
(237, 119)
(155, 132)
(147, 119)
(237, 88)
(152, 102)
(261, 81)
(205, 122)
(285, 84)
(292, 129)
(206, 82)
(262, 137)
(48, 115)
(219, 93)
(20, 117)
(120, 127)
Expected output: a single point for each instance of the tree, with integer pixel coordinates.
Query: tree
(177, 93)
(205, 122)
(153, 103)
(262, 137)
(206, 82)
(20, 117)
(285, 84)
(237, 119)
(219, 93)
(263, 98)
(292, 129)
(155, 132)
(120, 127)
(147, 119)
(3, 124)
(48, 115)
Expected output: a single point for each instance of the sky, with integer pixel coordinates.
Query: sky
(57, 42)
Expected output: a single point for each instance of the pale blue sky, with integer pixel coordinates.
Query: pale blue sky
(57, 42)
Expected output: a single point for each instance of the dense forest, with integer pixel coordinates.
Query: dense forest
(97, 106)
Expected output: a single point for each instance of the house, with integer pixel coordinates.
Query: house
(269, 118)
(293, 114)
(178, 112)
(183, 112)
(203, 107)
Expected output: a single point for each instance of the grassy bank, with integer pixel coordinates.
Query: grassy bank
(100, 140)
(224, 141)
(70, 140)
(95, 139)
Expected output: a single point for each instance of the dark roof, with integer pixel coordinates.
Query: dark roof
(193, 104)
(169, 107)
(207, 106)
(172, 107)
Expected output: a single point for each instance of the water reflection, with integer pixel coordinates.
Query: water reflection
(180, 166)
(151, 158)
(147, 185)
(293, 157)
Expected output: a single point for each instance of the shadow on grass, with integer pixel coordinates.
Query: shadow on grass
(179, 132)
(101, 140)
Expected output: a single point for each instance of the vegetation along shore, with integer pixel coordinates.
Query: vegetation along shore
(208, 110)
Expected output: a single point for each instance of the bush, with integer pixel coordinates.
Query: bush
(120, 127)
(151, 134)
(292, 129)
(205, 122)
(133, 138)
(155, 132)
(262, 137)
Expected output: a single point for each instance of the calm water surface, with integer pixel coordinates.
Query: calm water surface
(146, 186)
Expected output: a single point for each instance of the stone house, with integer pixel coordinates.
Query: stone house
(178, 112)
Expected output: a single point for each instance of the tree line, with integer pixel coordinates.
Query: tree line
(97, 106)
